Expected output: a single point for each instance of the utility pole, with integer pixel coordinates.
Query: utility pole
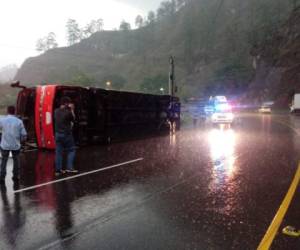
(172, 88)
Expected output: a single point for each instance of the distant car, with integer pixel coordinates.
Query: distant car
(265, 109)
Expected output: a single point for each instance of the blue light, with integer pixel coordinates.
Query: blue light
(222, 107)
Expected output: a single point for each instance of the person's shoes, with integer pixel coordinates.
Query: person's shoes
(291, 231)
(72, 171)
(58, 173)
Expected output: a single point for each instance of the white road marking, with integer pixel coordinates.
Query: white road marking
(78, 175)
(29, 150)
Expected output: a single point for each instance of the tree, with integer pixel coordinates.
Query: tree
(151, 17)
(73, 32)
(154, 84)
(51, 41)
(181, 3)
(139, 21)
(46, 43)
(117, 81)
(41, 45)
(125, 26)
(82, 79)
(99, 24)
(166, 9)
(92, 27)
(295, 3)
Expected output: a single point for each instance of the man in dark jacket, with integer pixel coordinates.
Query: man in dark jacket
(64, 118)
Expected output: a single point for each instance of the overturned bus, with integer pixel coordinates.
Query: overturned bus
(101, 115)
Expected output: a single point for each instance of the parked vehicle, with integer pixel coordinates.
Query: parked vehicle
(295, 107)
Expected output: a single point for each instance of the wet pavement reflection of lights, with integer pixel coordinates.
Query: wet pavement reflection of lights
(223, 187)
(172, 139)
(222, 150)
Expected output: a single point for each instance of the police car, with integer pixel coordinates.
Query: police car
(222, 110)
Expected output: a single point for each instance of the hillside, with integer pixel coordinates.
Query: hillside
(212, 42)
(278, 64)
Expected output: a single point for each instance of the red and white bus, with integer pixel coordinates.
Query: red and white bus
(101, 115)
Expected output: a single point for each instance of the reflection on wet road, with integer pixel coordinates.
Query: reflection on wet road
(222, 146)
(202, 188)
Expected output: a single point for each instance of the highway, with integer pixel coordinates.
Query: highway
(202, 188)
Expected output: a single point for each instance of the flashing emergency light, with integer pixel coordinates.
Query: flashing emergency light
(223, 107)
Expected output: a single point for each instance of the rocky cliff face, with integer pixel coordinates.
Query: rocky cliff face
(277, 64)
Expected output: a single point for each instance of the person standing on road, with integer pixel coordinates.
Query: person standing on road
(13, 133)
(64, 118)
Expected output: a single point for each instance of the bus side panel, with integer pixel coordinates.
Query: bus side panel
(48, 114)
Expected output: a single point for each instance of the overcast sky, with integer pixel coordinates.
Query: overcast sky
(22, 23)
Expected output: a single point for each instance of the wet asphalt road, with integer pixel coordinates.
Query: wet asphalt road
(203, 188)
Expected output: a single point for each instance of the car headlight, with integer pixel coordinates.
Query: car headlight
(230, 116)
(214, 116)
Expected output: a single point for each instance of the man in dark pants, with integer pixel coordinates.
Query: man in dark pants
(13, 132)
(64, 118)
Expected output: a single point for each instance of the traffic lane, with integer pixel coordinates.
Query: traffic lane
(212, 157)
(110, 190)
(281, 160)
(159, 153)
(228, 209)
(80, 185)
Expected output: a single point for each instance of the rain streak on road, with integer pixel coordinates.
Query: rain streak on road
(201, 188)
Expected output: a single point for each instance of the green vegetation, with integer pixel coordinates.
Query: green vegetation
(8, 97)
(155, 85)
(212, 42)
(82, 79)
(114, 81)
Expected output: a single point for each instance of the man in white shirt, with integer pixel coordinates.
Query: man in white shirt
(13, 132)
